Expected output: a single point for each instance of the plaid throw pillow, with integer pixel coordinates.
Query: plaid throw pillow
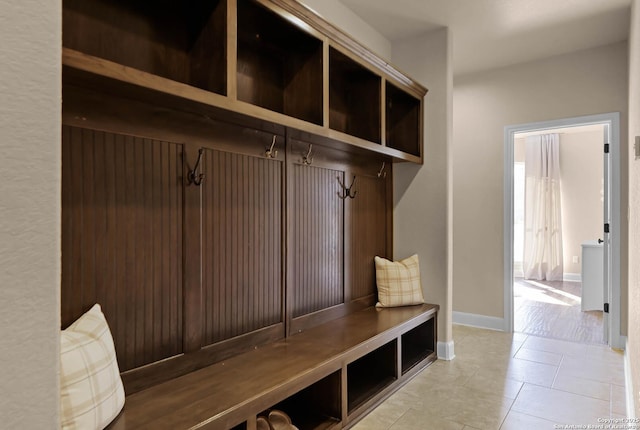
(398, 282)
(91, 391)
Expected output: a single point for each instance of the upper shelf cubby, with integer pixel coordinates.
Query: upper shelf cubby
(279, 65)
(182, 41)
(354, 98)
(266, 60)
(403, 120)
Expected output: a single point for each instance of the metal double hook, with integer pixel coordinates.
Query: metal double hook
(382, 174)
(347, 190)
(270, 152)
(194, 177)
(308, 159)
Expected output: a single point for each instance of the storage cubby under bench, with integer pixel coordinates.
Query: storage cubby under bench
(326, 377)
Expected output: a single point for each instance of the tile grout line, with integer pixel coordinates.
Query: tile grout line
(513, 402)
(557, 371)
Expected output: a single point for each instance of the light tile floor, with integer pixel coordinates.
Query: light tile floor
(508, 382)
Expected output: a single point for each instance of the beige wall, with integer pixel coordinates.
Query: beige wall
(634, 204)
(29, 213)
(581, 83)
(581, 187)
(342, 17)
(422, 193)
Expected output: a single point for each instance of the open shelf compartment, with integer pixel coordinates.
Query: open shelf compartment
(317, 407)
(354, 98)
(417, 344)
(279, 65)
(182, 41)
(402, 120)
(370, 374)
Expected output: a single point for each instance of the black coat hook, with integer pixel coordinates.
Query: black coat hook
(347, 190)
(194, 177)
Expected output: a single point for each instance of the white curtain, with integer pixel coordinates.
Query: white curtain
(543, 216)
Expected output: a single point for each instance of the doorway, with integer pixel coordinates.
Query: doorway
(563, 291)
(555, 302)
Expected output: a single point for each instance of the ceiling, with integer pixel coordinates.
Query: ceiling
(494, 33)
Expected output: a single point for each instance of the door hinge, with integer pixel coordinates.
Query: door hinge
(606, 148)
(606, 228)
(606, 308)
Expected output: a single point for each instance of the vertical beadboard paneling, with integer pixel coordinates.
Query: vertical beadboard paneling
(317, 232)
(367, 215)
(242, 250)
(122, 239)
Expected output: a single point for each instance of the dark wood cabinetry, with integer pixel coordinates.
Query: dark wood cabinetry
(403, 113)
(293, 128)
(417, 344)
(354, 98)
(327, 377)
(181, 41)
(272, 60)
(279, 65)
(369, 375)
(122, 239)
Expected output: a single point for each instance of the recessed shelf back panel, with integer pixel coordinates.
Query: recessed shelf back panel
(183, 41)
(403, 120)
(354, 98)
(417, 344)
(370, 374)
(279, 65)
(315, 407)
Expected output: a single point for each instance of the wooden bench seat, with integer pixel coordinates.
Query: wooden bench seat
(231, 393)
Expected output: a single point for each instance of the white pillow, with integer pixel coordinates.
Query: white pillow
(91, 391)
(398, 282)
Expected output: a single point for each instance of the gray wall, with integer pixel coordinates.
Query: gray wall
(30, 213)
(634, 205)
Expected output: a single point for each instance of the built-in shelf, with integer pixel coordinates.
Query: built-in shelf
(279, 65)
(316, 407)
(354, 98)
(403, 122)
(418, 344)
(181, 41)
(277, 53)
(370, 374)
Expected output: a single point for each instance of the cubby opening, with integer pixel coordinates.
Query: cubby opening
(184, 41)
(316, 407)
(417, 344)
(242, 426)
(279, 64)
(370, 374)
(402, 120)
(354, 98)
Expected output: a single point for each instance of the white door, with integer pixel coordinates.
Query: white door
(606, 246)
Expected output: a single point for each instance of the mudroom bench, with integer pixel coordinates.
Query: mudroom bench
(327, 377)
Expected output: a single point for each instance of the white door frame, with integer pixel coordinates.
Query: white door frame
(613, 120)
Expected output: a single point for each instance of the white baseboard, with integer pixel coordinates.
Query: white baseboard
(628, 383)
(445, 350)
(572, 277)
(481, 321)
